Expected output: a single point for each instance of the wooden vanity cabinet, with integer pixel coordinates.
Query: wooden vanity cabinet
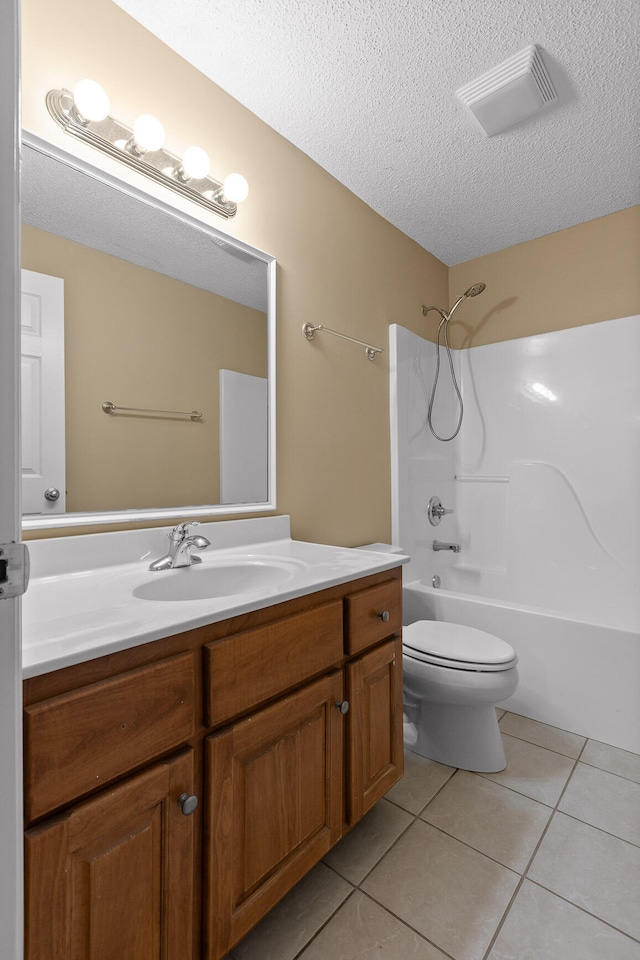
(250, 715)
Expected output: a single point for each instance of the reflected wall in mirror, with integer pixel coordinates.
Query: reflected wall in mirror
(158, 308)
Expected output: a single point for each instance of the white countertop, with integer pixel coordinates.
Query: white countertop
(80, 603)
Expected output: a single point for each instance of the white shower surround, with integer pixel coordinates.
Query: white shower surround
(544, 479)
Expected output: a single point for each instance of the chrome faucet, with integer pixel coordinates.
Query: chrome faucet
(179, 554)
(440, 545)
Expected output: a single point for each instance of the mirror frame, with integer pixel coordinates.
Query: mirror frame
(63, 520)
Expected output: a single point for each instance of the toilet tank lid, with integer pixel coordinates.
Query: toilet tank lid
(454, 641)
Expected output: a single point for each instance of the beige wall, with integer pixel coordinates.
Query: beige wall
(339, 263)
(580, 275)
(137, 338)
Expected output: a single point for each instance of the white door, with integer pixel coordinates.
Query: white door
(244, 438)
(11, 910)
(42, 393)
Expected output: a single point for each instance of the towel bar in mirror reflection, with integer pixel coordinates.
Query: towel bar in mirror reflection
(110, 407)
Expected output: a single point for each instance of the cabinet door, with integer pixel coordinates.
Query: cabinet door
(113, 877)
(375, 753)
(273, 784)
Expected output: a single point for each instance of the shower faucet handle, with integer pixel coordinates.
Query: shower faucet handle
(435, 511)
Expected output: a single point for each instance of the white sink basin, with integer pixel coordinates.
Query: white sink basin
(233, 577)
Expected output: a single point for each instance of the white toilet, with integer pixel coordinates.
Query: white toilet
(453, 678)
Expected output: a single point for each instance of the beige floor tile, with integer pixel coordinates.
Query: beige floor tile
(360, 850)
(296, 919)
(622, 762)
(421, 781)
(532, 770)
(541, 926)
(592, 869)
(362, 930)
(570, 744)
(604, 800)
(499, 822)
(448, 892)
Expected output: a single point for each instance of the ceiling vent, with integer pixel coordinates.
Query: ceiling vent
(509, 93)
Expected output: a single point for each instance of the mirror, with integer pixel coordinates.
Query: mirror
(165, 319)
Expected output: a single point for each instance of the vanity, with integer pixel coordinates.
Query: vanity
(188, 760)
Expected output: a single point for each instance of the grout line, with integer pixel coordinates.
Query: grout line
(388, 850)
(405, 923)
(326, 922)
(611, 773)
(501, 922)
(430, 800)
(550, 726)
(518, 792)
(568, 781)
(593, 826)
(571, 903)
(523, 876)
(532, 743)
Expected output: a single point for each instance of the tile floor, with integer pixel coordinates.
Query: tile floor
(539, 862)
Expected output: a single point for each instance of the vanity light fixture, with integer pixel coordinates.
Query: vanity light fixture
(84, 113)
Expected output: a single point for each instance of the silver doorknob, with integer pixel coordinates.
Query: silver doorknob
(343, 706)
(52, 494)
(187, 804)
(383, 615)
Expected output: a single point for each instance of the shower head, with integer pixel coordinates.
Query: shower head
(473, 291)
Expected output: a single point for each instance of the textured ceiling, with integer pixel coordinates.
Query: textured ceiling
(366, 88)
(62, 200)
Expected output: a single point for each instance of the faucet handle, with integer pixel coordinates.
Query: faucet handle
(435, 511)
(181, 530)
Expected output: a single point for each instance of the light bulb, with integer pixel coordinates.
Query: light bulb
(90, 100)
(148, 133)
(195, 163)
(235, 188)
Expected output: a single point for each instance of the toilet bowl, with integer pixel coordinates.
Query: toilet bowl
(453, 678)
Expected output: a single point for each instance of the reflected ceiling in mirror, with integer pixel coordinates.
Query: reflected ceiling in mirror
(163, 314)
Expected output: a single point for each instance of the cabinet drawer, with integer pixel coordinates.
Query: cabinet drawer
(250, 668)
(365, 621)
(79, 740)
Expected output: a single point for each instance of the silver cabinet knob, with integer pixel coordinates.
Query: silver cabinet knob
(343, 706)
(383, 615)
(187, 804)
(52, 494)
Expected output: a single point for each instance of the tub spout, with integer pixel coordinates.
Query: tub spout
(440, 545)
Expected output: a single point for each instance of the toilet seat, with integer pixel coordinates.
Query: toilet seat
(457, 647)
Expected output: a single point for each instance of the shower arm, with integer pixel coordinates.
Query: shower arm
(425, 311)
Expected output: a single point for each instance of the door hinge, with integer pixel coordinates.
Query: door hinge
(14, 569)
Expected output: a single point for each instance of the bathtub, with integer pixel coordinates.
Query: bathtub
(581, 676)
